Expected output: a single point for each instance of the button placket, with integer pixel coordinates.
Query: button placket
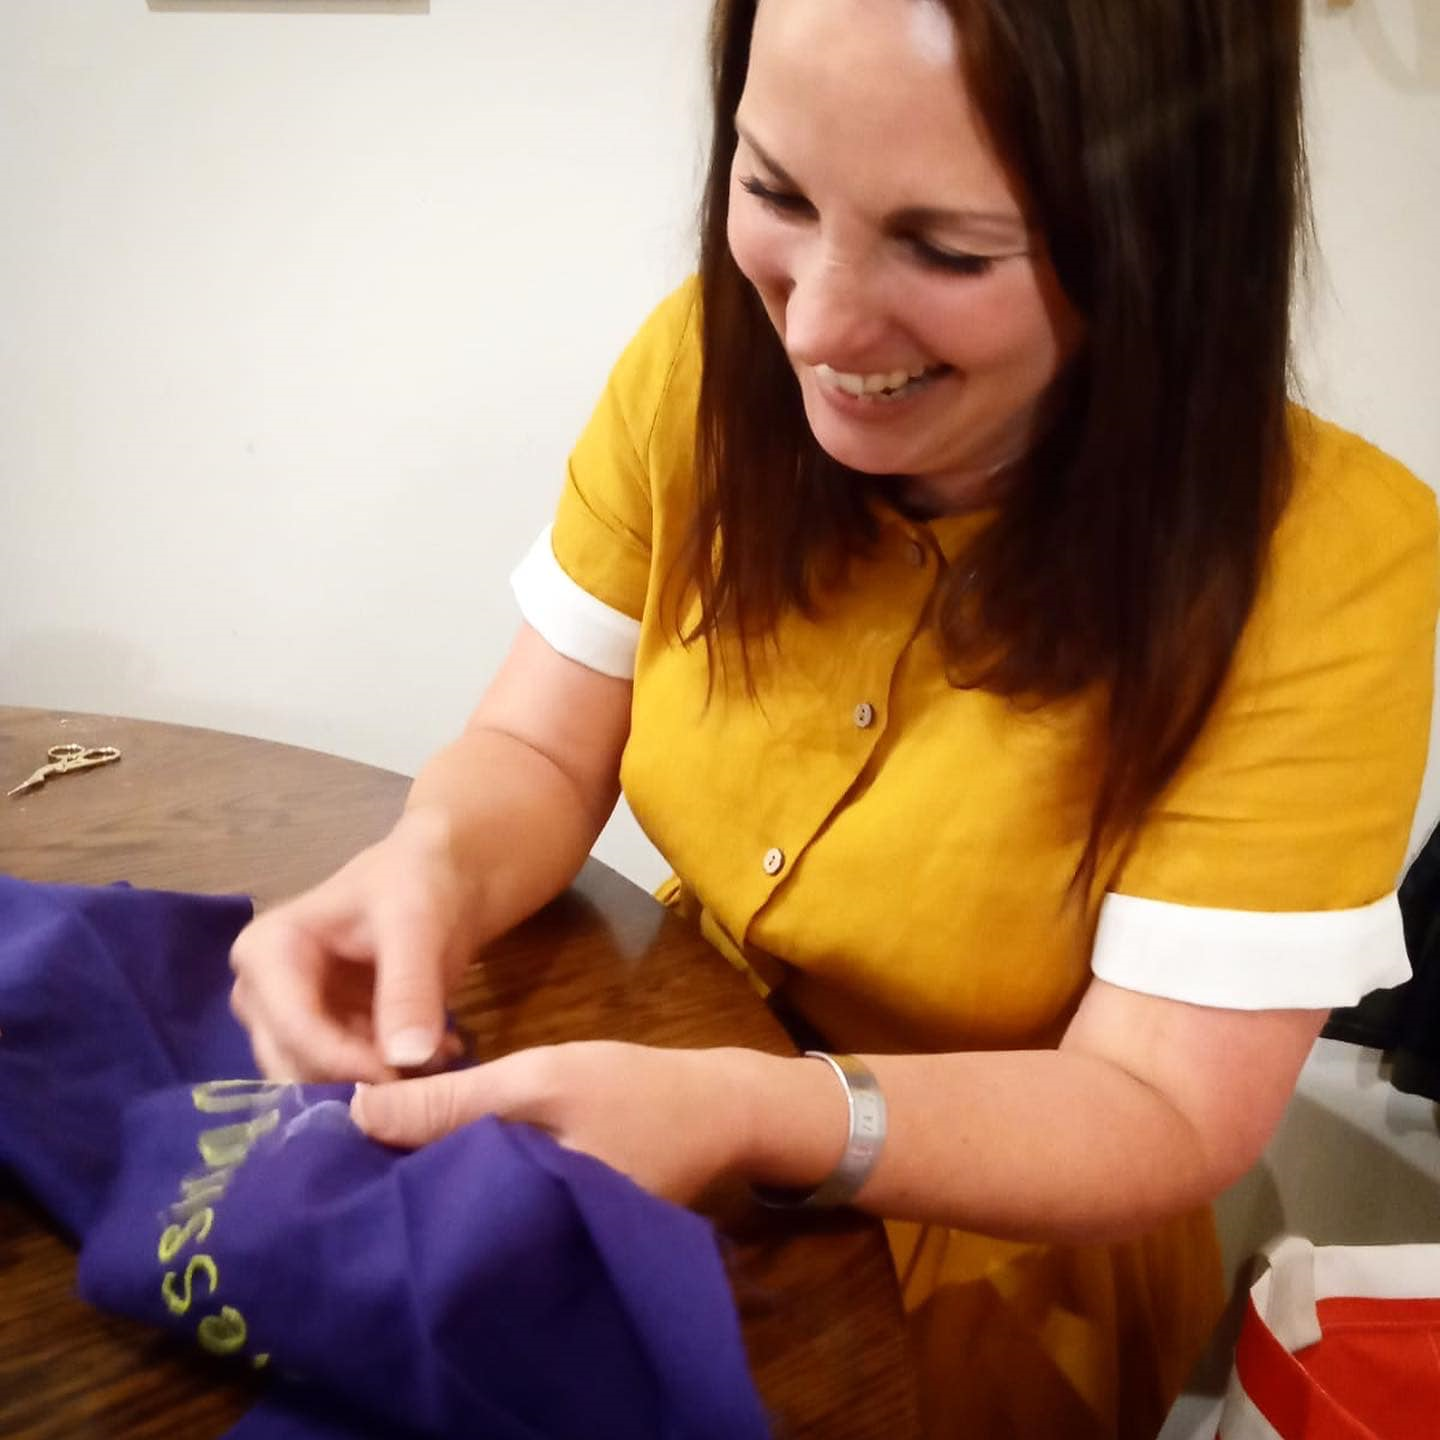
(866, 669)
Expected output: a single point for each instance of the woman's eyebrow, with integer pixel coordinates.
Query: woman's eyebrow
(1007, 224)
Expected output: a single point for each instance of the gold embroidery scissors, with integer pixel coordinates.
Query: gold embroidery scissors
(65, 758)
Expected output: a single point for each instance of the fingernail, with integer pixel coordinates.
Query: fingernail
(409, 1049)
(357, 1101)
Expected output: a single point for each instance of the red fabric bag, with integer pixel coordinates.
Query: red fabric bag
(1339, 1343)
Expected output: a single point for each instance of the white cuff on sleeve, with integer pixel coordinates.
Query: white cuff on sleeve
(571, 620)
(1250, 959)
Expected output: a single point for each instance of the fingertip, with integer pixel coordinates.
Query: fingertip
(412, 1048)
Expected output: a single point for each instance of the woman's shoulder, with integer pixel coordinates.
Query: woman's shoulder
(1349, 490)
(1357, 521)
(647, 411)
(662, 360)
(675, 319)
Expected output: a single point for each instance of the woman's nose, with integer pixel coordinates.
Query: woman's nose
(831, 314)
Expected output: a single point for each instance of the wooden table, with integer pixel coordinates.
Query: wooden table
(198, 810)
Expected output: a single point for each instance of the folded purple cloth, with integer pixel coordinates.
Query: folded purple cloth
(490, 1284)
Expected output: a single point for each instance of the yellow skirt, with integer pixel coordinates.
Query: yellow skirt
(1017, 1341)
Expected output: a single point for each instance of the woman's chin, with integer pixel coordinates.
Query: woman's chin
(847, 444)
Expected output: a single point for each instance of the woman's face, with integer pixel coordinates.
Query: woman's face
(890, 247)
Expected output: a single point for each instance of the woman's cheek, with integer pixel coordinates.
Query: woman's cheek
(760, 252)
(993, 322)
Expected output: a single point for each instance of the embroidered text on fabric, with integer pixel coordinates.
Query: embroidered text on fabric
(224, 1331)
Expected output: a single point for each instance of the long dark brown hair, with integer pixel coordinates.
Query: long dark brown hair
(1159, 145)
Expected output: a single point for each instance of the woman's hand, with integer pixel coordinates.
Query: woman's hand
(672, 1120)
(348, 981)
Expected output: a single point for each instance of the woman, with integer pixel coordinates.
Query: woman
(1022, 693)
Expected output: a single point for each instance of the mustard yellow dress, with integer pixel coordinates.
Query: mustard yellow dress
(893, 852)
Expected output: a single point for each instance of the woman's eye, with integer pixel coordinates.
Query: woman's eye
(791, 205)
(782, 200)
(953, 262)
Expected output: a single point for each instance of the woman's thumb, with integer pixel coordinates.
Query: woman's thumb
(408, 1113)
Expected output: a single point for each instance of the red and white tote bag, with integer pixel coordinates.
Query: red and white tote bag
(1339, 1343)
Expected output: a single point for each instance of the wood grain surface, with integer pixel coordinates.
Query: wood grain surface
(197, 810)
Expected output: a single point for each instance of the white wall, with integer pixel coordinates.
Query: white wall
(303, 307)
(303, 304)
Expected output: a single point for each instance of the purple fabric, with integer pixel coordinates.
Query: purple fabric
(490, 1284)
(105, 994)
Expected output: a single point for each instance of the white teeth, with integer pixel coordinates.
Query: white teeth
(853, 384)
(893, 381)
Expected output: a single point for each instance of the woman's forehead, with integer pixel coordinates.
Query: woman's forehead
(925, 28)
(891, 67)
(867, 98)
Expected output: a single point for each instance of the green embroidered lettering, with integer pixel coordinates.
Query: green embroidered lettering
(222, 1334)
(197, 1191)
(176, 1237)
(261, 1361)
(224, 1097)
(227, 1145)
(199, 1265)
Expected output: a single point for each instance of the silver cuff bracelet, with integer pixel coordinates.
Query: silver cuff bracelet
(862, 1147)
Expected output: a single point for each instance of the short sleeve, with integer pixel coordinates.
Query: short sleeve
(1264, 877)
(584, 584)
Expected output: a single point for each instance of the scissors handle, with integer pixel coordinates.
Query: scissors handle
(79, 757)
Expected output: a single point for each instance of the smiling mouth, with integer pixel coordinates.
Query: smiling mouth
(882, 386)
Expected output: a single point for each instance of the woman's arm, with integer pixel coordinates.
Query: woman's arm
(1149, 1107)
(529, 784)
